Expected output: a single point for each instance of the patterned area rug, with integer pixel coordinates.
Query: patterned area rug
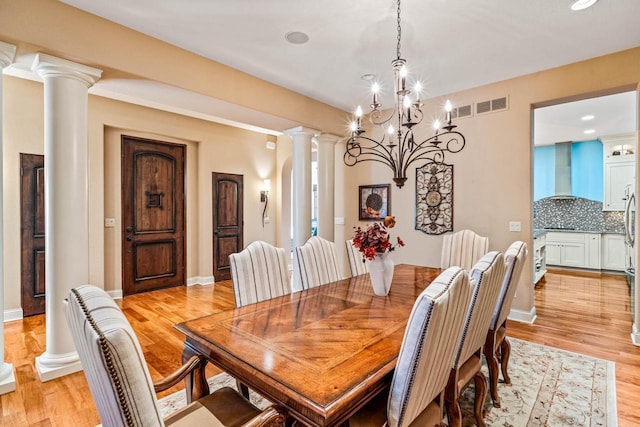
(550, 387)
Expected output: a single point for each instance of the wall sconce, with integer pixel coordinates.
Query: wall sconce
(264, 197)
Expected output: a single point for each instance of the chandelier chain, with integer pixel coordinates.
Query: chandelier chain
(399, 32)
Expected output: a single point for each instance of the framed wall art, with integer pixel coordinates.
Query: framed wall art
(374, 202)
(434, 198)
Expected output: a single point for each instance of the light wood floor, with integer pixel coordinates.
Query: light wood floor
(585, 314)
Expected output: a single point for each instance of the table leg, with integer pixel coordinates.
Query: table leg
(196, 384)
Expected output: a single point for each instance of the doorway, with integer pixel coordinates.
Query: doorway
(153, 215)
(228, 214)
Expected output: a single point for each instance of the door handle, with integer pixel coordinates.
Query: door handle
(129, 238)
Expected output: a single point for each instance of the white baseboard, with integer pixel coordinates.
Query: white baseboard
(199, 280)
(115, 294)
(13, 314)
(523, 316)
(635, 335)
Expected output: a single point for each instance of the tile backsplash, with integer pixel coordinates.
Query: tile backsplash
(577, 213)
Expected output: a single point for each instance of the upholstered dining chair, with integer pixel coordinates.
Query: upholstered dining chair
(487, 276)
(463, 248)
(496, 345)
(119, 378)
(357, 263)
(317, 262)
(259, 272)
(415, 397)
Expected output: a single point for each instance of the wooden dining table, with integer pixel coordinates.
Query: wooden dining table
(321, 354)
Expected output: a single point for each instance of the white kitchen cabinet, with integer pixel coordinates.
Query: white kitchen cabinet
(619, 169)
(614, 252)
(580, 250)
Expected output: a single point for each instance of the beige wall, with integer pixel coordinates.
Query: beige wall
(493, 174)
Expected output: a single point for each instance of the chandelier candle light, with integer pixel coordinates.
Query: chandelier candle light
(397, 148)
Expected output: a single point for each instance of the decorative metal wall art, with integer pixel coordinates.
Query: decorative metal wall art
(434, 198)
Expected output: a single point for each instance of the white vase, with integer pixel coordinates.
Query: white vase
(381, 273)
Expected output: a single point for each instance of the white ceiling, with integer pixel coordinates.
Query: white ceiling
(450, 45)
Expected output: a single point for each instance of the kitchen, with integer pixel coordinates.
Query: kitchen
(584, 186)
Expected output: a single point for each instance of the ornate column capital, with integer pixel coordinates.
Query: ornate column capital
(50, 66)
(7, 53)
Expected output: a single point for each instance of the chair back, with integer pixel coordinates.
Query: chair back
(428, 347)
(112, 359)
(487, 276)
(514, 261)
(317, 262)
(463, 249)
(357, 264)
(259, 272)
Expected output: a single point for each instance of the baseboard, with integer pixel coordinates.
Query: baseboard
(635, 335)
(13, 314)
(115, 294)
(523, 316)
(199, 280)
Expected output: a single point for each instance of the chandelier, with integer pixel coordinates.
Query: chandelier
(398, 147)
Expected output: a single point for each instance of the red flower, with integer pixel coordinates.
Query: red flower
(375, 238)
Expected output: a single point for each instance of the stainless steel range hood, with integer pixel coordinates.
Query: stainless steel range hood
(563, 171)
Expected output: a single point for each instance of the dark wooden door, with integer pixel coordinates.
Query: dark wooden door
(227, 221)
(32, 234)
(153, 217)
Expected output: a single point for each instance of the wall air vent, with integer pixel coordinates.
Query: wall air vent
(491, 105)
(461, 111)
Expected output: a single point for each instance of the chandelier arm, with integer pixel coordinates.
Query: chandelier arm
(373, 151)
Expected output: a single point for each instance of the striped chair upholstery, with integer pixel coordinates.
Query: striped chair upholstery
(496, 341)
(463, 249)
(427, 351)
(317, 262)
(259, 272)
(357, 264)
(487, 275)
(119, 379)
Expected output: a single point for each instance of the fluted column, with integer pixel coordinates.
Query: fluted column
(326, 185)
(7, 379)
(66, 204)
(301, 199)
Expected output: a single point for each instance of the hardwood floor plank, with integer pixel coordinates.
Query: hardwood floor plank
(586, 314)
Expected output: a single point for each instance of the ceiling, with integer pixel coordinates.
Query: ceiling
(450, 45)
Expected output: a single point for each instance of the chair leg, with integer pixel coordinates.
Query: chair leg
(454, 413)
(505, 349)
(492, 365)
(243, 389)
(480, 383)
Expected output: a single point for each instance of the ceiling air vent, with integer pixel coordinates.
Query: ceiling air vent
(491, 105)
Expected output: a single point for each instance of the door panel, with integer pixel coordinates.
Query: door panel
(32, 253)
(227, 205)
(153, 239)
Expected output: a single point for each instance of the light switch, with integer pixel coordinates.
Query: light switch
(515, 226)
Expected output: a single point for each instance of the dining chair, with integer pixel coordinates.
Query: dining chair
(119, 378)
(463, 248)
(259, 272)
(415, 397)
(487, 276)
(317, 262)
(496, 346)
(357, 263)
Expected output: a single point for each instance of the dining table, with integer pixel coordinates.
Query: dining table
(320, 354)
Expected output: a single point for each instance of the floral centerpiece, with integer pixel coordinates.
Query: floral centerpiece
(375, 239)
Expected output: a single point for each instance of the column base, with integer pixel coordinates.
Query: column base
(52, 366)
(7, 379)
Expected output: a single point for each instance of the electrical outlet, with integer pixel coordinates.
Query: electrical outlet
(109, 222)
(515, 226)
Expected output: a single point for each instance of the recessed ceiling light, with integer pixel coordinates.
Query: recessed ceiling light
(590, 131)
(367, 77)
(588, 117)
(296, 37)
(582, 4)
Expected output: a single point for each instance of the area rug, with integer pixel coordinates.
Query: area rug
(550, 387)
